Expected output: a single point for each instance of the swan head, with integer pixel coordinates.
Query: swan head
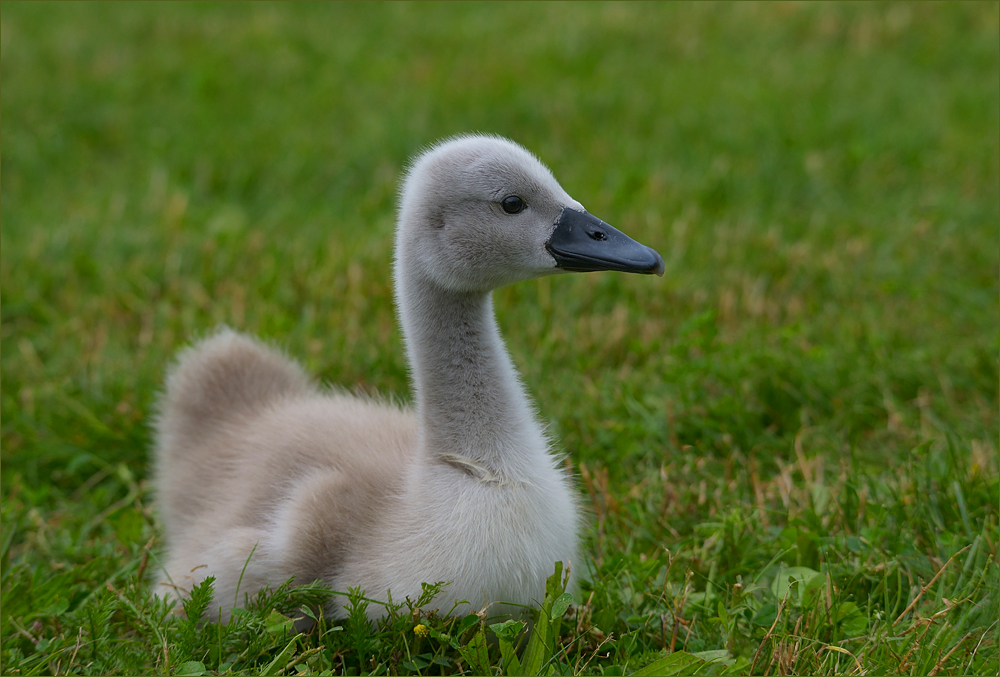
(481, 212)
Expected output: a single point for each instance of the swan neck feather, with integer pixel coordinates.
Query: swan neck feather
(472, 408)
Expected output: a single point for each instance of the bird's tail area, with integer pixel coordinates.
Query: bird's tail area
(221, 378)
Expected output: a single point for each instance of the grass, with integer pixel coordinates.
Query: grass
(788, 445)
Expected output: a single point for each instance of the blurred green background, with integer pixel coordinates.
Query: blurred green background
(822, 180)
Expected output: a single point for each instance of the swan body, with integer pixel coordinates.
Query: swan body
(261, 475)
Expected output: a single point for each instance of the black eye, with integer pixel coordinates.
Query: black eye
(512, 204)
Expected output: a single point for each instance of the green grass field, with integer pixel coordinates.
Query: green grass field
(788, 445)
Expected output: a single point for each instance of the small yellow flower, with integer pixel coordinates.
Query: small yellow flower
(421, 630)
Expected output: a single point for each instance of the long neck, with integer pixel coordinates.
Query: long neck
(472, 408)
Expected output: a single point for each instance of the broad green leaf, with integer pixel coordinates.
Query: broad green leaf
(794, 579)
(477, 655)
(418, 663)
(560, 606)
(765, 615)
(852, 620)
(508, 633)
(739, 667)
(279, 624)
(508, 630)
(281, 659)
(539, 644)
(677, 663)
(718, 656)
(191, 668)
(466, 623)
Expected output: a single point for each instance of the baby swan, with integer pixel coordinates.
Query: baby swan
(260, 475)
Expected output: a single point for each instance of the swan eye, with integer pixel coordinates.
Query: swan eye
(512, 204)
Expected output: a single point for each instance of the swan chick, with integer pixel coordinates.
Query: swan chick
(261, 475)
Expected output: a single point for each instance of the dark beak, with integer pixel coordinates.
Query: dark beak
(583, 243)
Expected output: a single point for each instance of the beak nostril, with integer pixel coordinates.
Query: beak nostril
(583, 243)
